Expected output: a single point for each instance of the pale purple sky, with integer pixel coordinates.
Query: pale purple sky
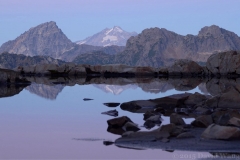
(79, 19)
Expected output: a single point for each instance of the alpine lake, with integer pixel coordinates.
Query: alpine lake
(63, 119)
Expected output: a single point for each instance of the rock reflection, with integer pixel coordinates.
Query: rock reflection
(11, 90)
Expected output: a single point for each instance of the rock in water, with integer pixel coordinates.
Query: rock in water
(87, 99)
(234, 121)
(215, 131)
(118, 122)
(111, 104)
(113, 113)
(203, 121)
(129, 126)
(176, 119)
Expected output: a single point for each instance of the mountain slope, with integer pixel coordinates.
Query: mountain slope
(107, 37)
(11, 61)
(159, 47)
(45, 39)
(84, 48)
(94, 58)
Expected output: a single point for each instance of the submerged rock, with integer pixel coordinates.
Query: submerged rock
(87, 99)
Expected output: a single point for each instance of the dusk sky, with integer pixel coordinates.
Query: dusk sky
(79, 19)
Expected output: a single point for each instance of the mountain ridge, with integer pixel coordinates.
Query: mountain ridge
(157, 47)
(107, 37)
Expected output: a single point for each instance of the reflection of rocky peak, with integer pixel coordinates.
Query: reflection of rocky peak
(114, 89)
(45, 91)
(8, 91)
(156, 86)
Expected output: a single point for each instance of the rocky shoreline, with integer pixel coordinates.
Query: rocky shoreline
(224, 64)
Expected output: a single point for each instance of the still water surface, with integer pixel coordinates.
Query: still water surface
(53, 122)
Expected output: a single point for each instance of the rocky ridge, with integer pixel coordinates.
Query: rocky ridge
(12, 61)
(159, 47)
(45, 39)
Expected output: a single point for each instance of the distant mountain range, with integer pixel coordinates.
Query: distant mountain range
(159, 47)
(107, 37)
(153, 47)
(48, 40)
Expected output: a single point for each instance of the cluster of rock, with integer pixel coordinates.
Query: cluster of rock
(216, 118)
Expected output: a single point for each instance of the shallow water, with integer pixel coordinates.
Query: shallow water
(53, 122)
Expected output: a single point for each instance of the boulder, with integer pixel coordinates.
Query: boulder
(129, 126)
(230, 99)
(149, 124)
(118, 122)
(176, 119)
(224, 63)
(215, 131)
(195, 99)
(168, 128)
(202, 121)
(222, 117)
(173, 101)
(147, 115)
(156, 119)
(234, 122)
(138, 106)
(184, 67)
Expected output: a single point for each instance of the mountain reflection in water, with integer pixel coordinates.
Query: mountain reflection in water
(49, 89)
(71, 122)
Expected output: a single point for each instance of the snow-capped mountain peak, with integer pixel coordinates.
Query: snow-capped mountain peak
(107, 37)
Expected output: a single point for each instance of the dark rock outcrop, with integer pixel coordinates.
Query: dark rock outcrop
(159, 47)
(12, 61)
(224, 63)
